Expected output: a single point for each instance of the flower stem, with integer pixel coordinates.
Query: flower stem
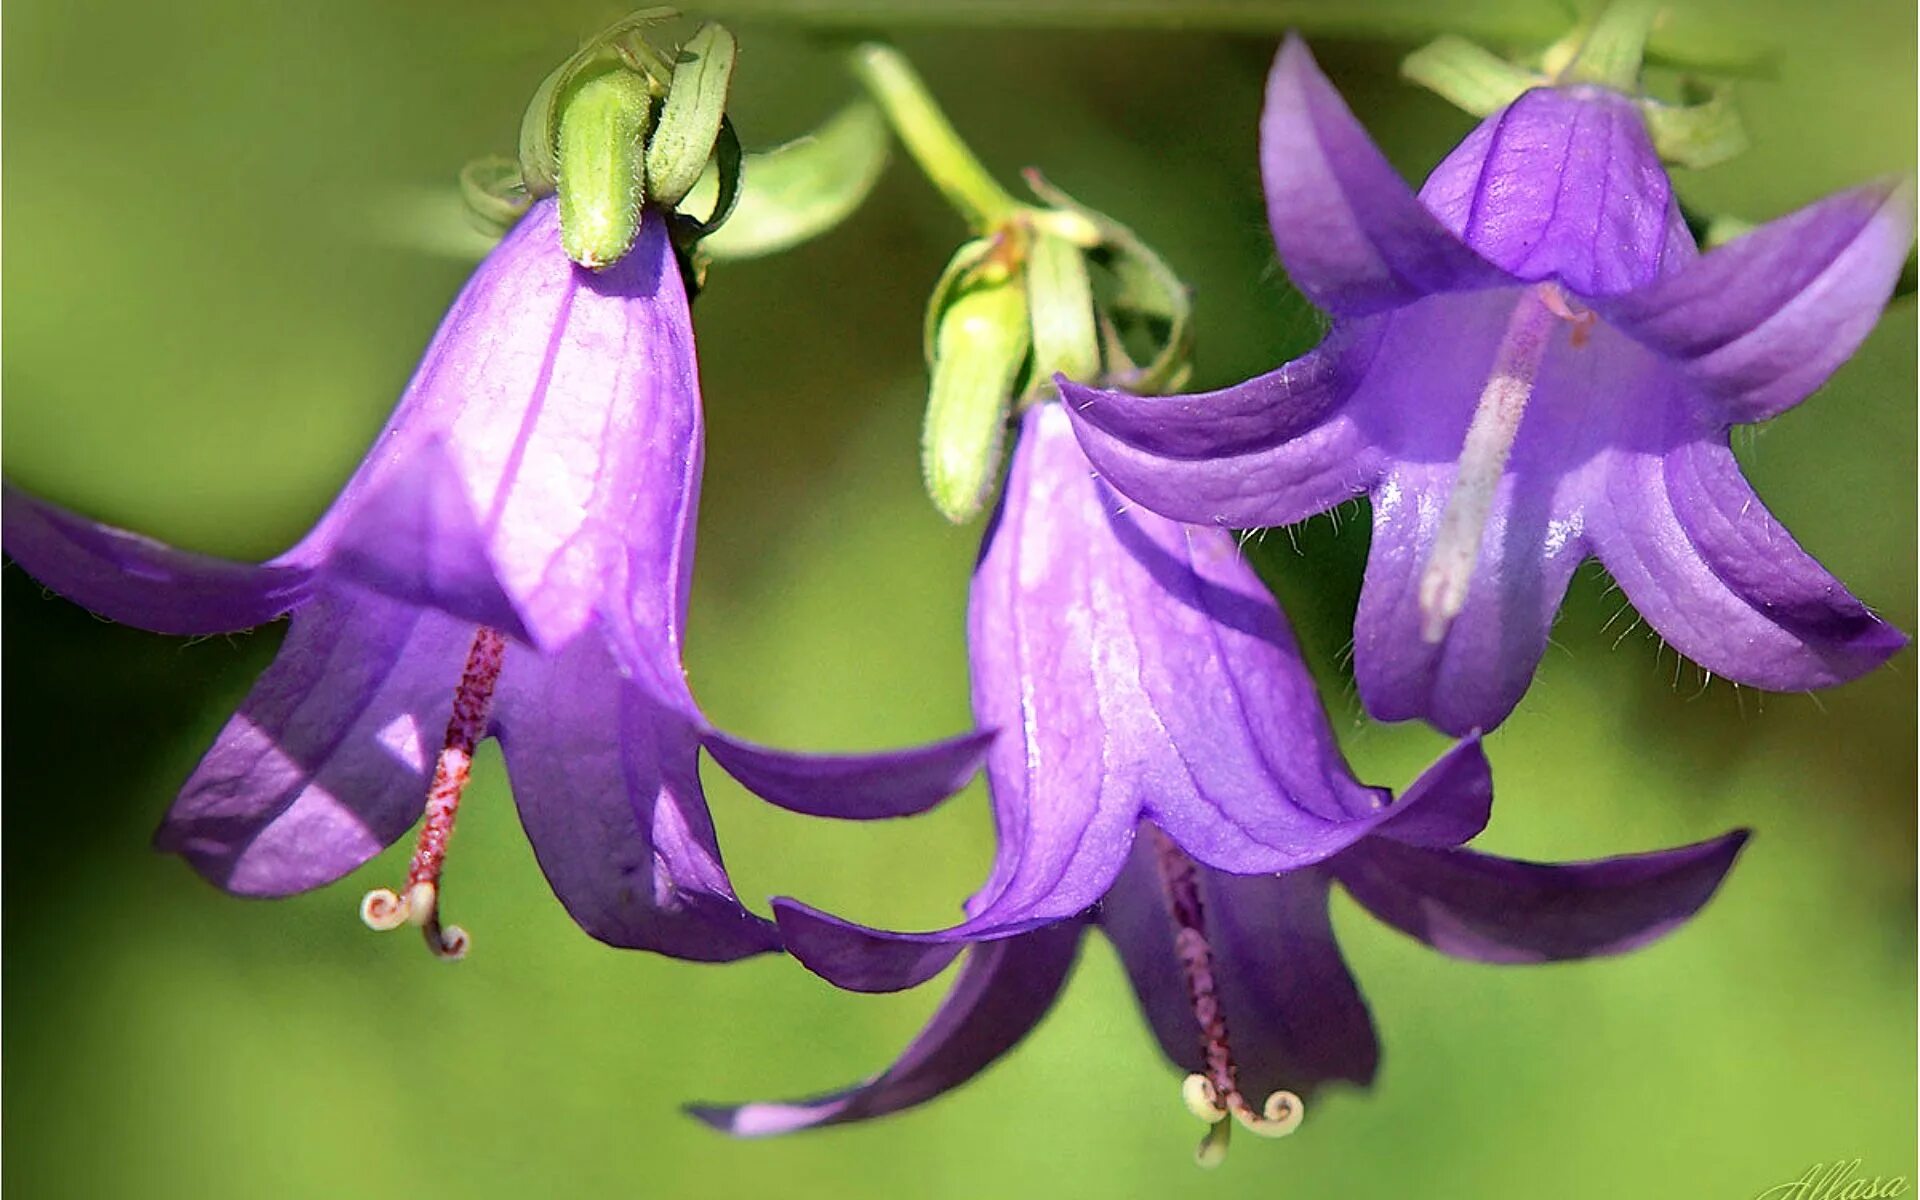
(1615, 46)
(929, 137)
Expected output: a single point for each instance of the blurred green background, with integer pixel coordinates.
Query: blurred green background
(210, 303)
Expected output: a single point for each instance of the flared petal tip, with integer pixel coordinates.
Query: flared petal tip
(852, 787)
(1451, 801)
(859, 958)
(757, 1120)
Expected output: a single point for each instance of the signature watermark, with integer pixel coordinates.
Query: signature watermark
(1838, 1180)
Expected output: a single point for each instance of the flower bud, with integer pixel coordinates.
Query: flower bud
(603, 126)
(980, 344)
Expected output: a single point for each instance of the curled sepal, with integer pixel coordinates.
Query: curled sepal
(690, 119)
(796, 192)
(1468, 76)
(1696, 135)
(979, 348)
(494, 193)
(602, 127)
(1139, 297)
(1060, 296)
(540, 126)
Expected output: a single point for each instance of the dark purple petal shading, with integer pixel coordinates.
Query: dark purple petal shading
(138, 581)
(1761, 322)
(565, 405)
(1475, 675)
(1563, 184)
(607, 780)
(1003, 990)
(1295, 1016)
(1448, 804)
(1497, 910)
(1350, 232)
(327, 760)
(1271, 451)
(858, 787)
(416, 539)
(1718, 577)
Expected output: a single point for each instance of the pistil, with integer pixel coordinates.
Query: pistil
(1214, 1093)
(1483, 457)
(419, 903)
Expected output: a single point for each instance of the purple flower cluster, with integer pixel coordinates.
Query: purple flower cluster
(1529, 363)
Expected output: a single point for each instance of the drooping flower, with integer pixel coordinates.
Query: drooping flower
(1164, 773)
(1529, 363)
(512, 559)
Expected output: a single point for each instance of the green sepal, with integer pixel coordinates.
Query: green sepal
(980, 349)
(1468, 76)
(796, 192)
(969, 258)
(689, 124)
(1060, 299)
(603, 126)
(540, 126)
(1136, 284)
(1698, 134)
(494, 193)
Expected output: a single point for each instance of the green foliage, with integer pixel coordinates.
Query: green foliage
(203, 334)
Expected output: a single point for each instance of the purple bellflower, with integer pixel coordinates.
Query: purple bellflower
(512, 560)
(1165, 774)
(1529, 363)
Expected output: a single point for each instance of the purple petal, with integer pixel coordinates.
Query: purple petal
(1271, 451)
(1762, 321)
(606, 776)
(860, 958)
(1294, 1015)
(858, 787)
(327, 761)
(1479, 670)
(138, 581)
(565, 405)
(1718, 577)
(1351, 234)
(1145, 668)
(1002, 992)
(415, 538)
(1136, 666)
(1496, 910)
(1563, 184)
(1449, 804)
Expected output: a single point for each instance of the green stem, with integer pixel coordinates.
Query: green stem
(929, 137)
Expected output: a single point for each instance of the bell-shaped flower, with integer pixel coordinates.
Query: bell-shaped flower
(1529, 363)
(511, 560)
(1164, 773)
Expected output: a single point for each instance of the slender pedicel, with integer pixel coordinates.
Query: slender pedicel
(419, 905)
(1483, 457)
(1213, 1094)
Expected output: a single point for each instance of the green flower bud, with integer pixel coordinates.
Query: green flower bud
(980, 346)
(603, 126)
